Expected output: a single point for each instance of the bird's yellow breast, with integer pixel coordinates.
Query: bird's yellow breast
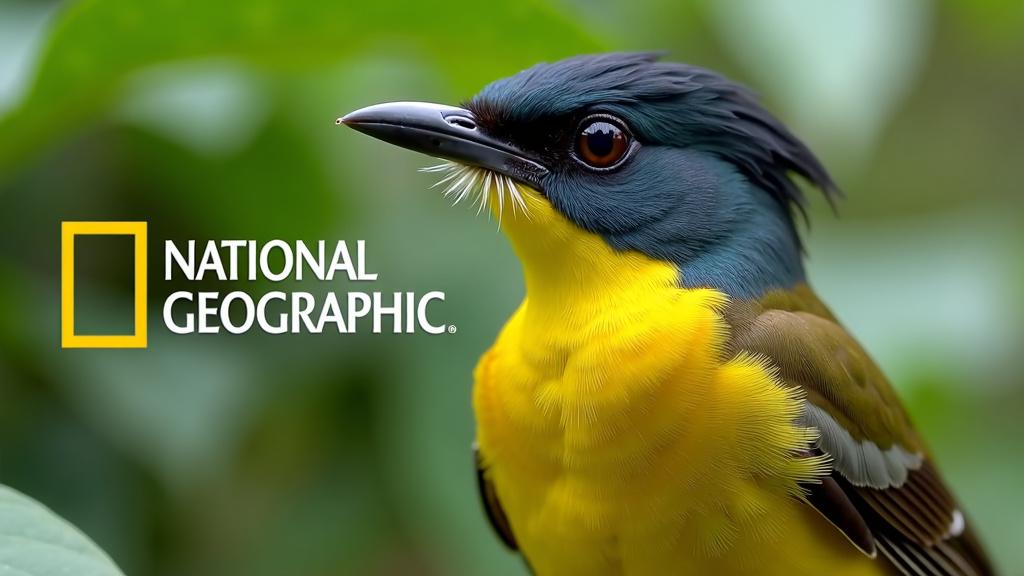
(622, 438)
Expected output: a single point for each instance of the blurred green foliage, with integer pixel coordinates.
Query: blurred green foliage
(96, 45)
(350, 454)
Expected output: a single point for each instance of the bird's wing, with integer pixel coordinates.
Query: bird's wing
(492, 507)
(884, 493)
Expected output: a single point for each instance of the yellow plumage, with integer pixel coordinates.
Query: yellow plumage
(623, 439)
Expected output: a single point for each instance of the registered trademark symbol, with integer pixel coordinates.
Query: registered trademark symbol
(452, 329)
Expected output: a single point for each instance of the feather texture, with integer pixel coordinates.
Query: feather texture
(620, 436)
(878, 458)
(862, 462)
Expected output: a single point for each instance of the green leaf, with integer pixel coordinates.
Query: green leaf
(97, 44)
(36, 542)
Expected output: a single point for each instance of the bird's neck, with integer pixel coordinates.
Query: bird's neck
(571, 275)
(742, 241)
(760, 252)
(570, 272)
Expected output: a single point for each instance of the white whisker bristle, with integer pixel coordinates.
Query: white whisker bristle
(444, 167)
(461, 181)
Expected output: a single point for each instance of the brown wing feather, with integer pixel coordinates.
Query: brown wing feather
(881, 464)
(922, 508)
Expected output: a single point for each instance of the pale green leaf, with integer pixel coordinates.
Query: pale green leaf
(36, 542)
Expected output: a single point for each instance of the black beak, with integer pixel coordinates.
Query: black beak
(445, 132)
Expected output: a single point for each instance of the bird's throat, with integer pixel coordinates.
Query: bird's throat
(571, 273)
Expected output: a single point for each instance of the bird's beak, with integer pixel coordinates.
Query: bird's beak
(445, 132)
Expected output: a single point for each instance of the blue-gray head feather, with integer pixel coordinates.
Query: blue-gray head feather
(710, 188)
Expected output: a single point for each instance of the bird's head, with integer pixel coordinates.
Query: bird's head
(667, 160)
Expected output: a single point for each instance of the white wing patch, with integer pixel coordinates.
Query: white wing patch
(862, 463)
(956, 527)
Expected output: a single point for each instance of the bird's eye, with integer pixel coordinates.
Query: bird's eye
(602, 142)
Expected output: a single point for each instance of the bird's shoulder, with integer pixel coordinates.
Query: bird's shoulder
(885, 492)
(844, 386)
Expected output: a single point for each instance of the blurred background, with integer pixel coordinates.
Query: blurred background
(337, 455)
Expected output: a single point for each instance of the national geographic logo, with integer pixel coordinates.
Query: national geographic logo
(237, 312)
(68, 232)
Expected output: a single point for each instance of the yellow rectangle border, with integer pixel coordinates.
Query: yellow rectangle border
(68, 231)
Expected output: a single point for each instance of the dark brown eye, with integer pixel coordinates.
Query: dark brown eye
(601, 142)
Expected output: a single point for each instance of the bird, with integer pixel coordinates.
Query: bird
(671, 397)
